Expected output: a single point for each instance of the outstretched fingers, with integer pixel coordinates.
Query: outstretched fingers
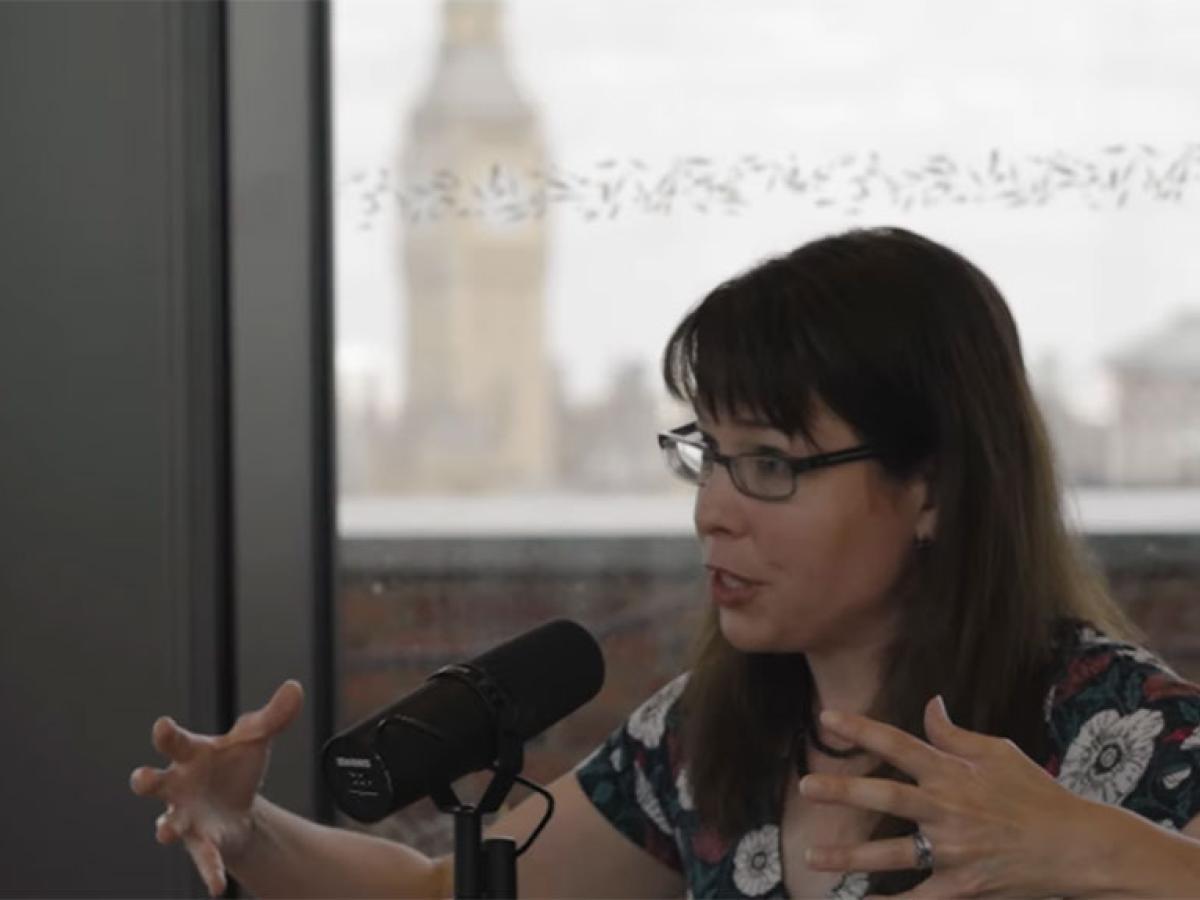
(947, 736)
(176, 743)
(208, 862)
(874, 856)
(902, 750)
(273, 717)
(146, 781)
(872, 794)
(165, 831)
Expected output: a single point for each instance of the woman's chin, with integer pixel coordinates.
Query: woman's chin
(755, 634)
(746, 633)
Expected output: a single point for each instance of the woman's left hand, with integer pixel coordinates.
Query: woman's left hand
(997, 823)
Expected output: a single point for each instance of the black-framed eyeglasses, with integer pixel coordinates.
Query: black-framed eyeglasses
(764, 476)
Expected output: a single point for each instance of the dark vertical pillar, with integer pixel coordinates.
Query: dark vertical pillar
(279, 290)
(113, 446)
(164, 489)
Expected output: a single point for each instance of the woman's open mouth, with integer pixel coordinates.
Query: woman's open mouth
(730, 590)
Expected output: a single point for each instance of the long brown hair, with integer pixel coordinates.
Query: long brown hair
(915, 348)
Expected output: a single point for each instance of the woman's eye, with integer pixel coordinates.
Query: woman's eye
(770, 466)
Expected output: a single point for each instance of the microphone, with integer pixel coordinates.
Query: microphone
(453, 724)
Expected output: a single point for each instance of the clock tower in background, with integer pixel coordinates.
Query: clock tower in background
(479, 413)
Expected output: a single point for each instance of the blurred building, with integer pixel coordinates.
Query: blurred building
(479, 412)
(609, 445)
(1081, 447)
(1156, 436)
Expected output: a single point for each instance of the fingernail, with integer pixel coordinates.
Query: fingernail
(942, 703)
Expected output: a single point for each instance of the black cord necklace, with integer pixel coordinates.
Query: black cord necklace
(820, 746)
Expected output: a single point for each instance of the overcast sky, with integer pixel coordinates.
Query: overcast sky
(659, 79)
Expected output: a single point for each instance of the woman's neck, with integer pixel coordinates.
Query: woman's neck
(846, 682)
(846, 679)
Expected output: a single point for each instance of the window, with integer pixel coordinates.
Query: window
(530, 194)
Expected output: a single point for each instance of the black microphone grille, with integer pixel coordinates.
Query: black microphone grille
(549, 672)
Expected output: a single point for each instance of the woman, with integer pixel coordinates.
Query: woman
(880, 520)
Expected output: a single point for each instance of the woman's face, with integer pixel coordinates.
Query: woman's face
(815, 572)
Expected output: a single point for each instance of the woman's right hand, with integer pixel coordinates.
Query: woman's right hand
(211, 782)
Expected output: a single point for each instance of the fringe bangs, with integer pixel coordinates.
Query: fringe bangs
(744, 353)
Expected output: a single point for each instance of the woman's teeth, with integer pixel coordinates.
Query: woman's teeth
(726, 579)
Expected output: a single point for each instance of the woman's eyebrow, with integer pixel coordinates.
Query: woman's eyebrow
(769, 443)
(754, 443)
(770, 449)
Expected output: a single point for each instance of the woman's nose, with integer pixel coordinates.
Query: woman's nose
(718, 505)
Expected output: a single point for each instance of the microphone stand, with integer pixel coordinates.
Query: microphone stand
(485, 869)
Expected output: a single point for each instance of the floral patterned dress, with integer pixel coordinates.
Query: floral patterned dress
(1124, 729)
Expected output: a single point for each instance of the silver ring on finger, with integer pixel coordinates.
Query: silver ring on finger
(924, 851)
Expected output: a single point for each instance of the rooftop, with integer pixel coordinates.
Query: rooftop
(550, 515)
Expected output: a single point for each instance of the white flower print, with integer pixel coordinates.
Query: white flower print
(1110, 754)
(683, 789)
(1176, 777)
(649, 803)
(853, 886)
(1048, 703)
(1142, 655)
(615, 759)
(649, 720)
(1167, 824)
(1089, 637)
(756, 864)
(1192, 740)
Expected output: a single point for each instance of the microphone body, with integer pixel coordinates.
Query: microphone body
(453, 724)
